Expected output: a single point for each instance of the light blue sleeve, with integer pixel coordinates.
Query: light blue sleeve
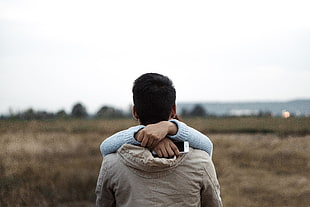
(114, 142)
(196, 139)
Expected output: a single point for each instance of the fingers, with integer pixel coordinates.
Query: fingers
(151, 143)
(170, 151)
(144, 138)
(166, 148)
(152, 134)
(147, 139)
(164, 152)
(159, 153)
(144, 141)
(174, 149)
(139, 135)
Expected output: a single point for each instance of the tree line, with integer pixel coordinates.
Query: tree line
(79, 111)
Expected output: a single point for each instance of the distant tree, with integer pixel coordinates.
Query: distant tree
(29, 114)
(184, 112)
(61, 114)
(109, 112)
(79, 111)
(264, 113)
(198, 110)
(43, 115)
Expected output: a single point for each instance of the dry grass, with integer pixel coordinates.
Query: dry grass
(56, 163)
(263, 170)
(45, 169)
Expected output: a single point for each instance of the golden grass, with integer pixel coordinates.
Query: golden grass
(263, 170)
(56, 163)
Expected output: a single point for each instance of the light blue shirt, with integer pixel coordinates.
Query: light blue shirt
(196, 139)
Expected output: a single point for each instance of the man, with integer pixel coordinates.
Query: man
(134, 177)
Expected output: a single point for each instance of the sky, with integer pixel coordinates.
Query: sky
(54, 54)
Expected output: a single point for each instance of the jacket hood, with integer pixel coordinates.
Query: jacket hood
(140, 158)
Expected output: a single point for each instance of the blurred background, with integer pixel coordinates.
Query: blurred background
(54, 54)
(241, 70)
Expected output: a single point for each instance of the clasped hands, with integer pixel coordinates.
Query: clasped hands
(154, 136)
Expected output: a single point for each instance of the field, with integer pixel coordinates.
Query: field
(259, 161)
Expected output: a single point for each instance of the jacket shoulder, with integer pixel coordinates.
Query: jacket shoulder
(199, 159)
(110, 160)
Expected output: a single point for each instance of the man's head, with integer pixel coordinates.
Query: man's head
(154, 98)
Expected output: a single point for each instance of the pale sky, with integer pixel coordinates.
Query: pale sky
(54, 54)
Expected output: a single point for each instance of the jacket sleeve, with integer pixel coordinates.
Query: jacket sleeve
(210, 193)
(196, 139)
(104, 193)
(114, 142)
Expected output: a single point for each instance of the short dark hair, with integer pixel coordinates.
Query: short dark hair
(154, 96)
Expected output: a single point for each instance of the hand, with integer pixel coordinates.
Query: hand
(166, 148)
(152, 134)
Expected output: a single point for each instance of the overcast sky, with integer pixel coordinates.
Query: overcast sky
(54, 54)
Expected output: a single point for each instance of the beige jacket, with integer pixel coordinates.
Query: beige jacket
(132, 177)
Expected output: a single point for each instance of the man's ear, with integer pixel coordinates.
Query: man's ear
(173, 112)
(134, 113)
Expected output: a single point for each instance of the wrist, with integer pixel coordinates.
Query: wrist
(137, 132)
(172, 128)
